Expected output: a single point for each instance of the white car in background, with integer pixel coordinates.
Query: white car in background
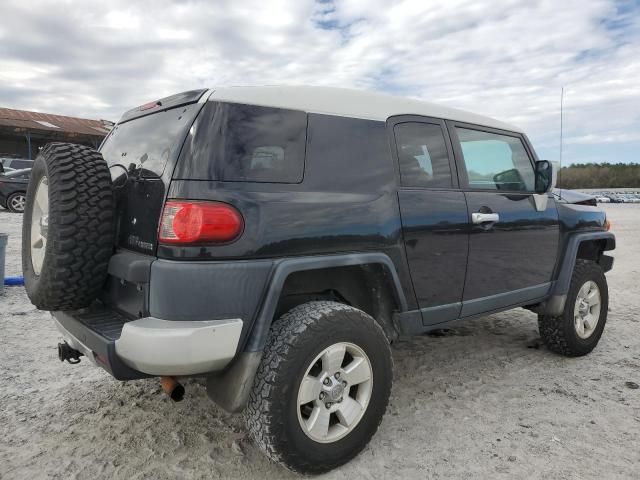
(12, 163)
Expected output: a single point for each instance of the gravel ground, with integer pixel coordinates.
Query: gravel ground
(483, 401)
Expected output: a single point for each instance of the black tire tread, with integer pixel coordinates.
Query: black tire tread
(81, 228)
(553, 330)
(281, 344)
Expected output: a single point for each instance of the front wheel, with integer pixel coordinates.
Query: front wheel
(577, 331)
(322, 387)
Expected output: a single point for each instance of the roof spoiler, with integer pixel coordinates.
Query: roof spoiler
(184, 98)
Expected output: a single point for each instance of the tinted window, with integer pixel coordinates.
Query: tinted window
(149, 142)
(235, 142)
(422, 153)
(348, 155)
(496, 161)
(21, 163)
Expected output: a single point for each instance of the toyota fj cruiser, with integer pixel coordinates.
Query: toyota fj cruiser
(275, 240)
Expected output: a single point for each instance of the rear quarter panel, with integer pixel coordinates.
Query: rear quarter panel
(347, 201)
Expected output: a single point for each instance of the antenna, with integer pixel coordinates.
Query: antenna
(561, 131)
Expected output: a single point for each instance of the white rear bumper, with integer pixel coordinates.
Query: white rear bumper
(163, 347)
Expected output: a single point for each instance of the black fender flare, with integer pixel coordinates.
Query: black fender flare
(231, 389)
(285, 267)
(558, 293)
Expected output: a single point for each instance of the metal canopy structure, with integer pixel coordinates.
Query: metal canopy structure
(23, 133)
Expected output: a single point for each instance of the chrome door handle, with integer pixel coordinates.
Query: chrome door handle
(485, 217)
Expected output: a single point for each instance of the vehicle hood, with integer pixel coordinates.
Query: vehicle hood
(574, 197)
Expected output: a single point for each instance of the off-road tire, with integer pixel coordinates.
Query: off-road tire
(559, 333)
(81, 227)
(295, 339)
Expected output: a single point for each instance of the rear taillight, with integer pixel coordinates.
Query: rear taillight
(189, 222)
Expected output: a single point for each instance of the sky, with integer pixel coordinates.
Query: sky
(501, 58)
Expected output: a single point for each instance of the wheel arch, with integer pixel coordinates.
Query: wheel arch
(231, 389)
(376, 268)
(587, 246)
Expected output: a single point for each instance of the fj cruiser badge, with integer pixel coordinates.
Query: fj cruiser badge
(135, 241)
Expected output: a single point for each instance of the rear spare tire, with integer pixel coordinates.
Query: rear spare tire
(68, 227)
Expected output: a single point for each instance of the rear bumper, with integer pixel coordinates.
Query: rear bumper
(165, 347)
(150, 346)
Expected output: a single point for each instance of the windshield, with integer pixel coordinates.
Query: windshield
(149, 142)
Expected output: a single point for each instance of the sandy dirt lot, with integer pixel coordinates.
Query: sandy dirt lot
(483, 401)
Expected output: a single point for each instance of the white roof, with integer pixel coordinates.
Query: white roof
(347, 103)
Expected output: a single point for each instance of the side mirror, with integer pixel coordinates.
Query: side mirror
(544, 176)
(509, 180)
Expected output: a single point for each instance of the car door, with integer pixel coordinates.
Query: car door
(514, 233)
(434, 215)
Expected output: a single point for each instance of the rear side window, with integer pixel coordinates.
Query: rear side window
(422, 154)
(245, 143)
(347, 155)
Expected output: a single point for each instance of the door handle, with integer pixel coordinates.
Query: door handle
(485, 217)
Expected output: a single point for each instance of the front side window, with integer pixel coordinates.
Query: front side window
(496, 162)
(422, 154)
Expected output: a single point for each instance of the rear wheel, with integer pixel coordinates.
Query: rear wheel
(322, 387)
(16, 202)
(67, 228)
(577, 331)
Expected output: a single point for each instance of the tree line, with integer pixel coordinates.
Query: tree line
(600, 175)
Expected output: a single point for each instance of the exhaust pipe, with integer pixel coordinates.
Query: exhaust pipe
(173, 388)
(71, 355)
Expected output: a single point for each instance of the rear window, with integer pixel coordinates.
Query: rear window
(245, 143)
(149, 142)
(21, 163)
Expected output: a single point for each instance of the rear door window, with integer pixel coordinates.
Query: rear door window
(245, 143)
(423, 156)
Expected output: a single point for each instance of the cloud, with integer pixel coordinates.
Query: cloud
(507, 59)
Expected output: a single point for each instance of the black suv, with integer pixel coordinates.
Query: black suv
(275, 240)
(13, 189)
(14, 163)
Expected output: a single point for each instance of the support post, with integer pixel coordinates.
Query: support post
(28, 135)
